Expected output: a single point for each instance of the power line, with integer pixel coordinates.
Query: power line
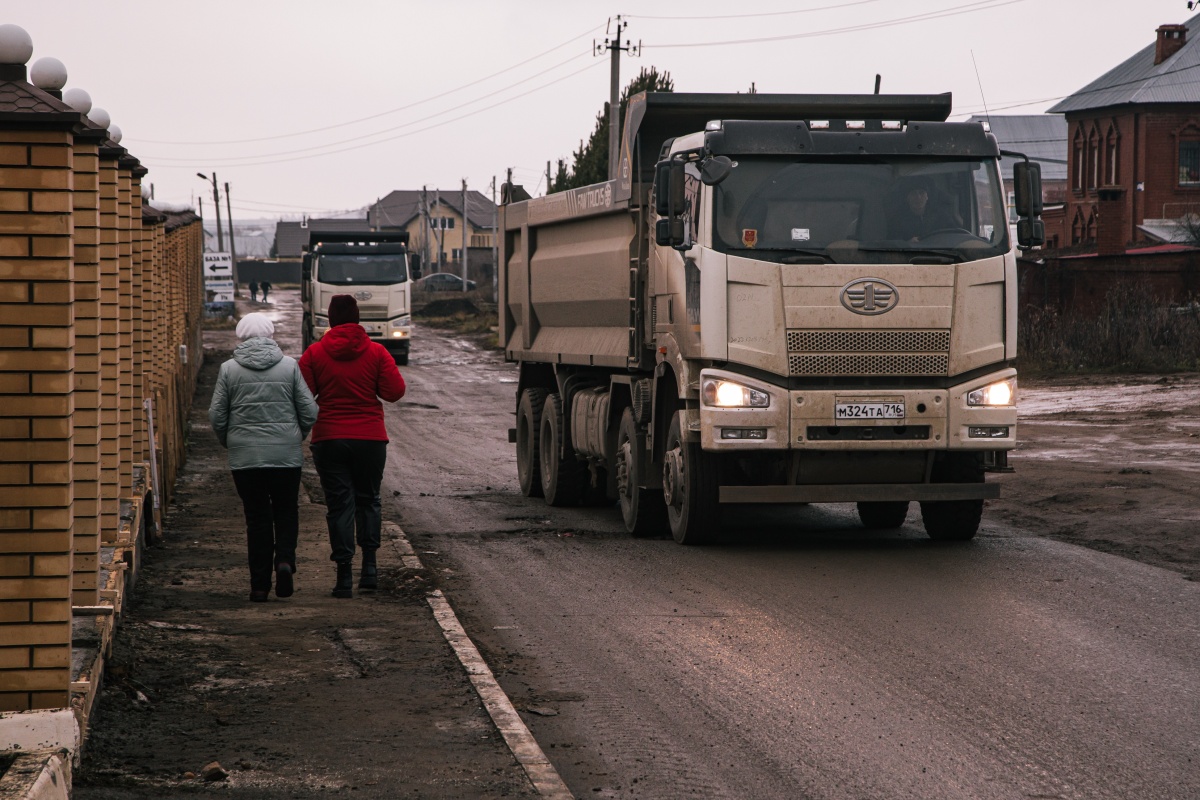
(390, 111)
(761, 14)
(592, 65)
(231, 160)
(969, 8)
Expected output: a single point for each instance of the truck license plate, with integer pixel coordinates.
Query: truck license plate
(869, 410)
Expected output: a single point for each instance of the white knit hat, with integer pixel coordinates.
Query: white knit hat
(255, 324)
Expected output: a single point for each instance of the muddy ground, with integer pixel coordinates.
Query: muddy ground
(1111, 463)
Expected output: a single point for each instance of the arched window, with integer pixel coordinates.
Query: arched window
(1094, 154)
(1112, 151)
(1189, 155)
(1078, 159)
(1090, 235)
(1078, 228)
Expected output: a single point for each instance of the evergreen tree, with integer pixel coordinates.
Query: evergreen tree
(590, 161)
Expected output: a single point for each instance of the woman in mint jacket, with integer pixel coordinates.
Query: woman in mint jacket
(261, 411)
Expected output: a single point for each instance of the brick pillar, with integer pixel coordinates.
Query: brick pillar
(36, 382)
(86, 538)
(125, 266)
(138, 316)
(1110, 226)
(110, 314)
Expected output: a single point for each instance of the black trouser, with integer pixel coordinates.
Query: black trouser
(270, 497)
(351, 471)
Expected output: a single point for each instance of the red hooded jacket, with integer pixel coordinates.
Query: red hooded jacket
(349, 374)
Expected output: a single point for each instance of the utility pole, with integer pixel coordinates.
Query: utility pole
(424, 230)
(466, 225)
(232, 247)
(439, 229)
(615, 48)
(217, 205)
(547, 177)
(495, 244)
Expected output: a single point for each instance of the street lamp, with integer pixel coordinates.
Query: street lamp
(217, 206)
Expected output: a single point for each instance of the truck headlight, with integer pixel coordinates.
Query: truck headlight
(401, 322)
(1000, 393)
(727, 394)
(321, 322)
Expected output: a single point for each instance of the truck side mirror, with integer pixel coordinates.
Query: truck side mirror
(668, 188)
(1027, 186)
(668, 231)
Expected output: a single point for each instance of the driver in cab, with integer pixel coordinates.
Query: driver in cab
(919, 214)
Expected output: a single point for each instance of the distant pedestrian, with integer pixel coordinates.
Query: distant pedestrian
(261, 410)
(266, 287)
(253, 291)
(350, 374)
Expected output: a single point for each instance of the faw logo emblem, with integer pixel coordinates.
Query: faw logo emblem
(870, 296)
(363, 295)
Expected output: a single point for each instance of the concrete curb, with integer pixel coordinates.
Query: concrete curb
(38, 775)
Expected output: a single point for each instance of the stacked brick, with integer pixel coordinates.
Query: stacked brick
(100, 298)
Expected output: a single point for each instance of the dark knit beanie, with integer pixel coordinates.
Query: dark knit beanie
(342, 309)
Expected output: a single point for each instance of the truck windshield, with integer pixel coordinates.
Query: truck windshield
(374, 269)
(861, 210)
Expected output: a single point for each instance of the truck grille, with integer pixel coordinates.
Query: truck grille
(868, 352)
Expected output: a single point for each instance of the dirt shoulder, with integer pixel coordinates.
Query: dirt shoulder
(1111, 463)
(294, 698)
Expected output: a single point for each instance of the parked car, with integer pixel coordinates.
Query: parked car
(442, 282)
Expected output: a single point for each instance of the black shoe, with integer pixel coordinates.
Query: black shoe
(258, 596)
(345, 580)
(283, 580)
(369, 577)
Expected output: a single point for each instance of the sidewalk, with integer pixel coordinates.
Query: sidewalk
(294, 698)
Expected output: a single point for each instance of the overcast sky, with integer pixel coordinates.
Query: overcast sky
(312, 106)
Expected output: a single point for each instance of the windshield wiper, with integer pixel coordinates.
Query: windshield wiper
(954, 256)
(802, 256)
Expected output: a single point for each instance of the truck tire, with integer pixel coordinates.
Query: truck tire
(691, 483)
(529, 428)
(401, 358)
(642, 509)
(952, 520)
(564, 477)
(883, 516)
(306, 334)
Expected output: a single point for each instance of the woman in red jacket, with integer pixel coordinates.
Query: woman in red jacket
(349, 375)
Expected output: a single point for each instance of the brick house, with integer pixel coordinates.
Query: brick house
(1133, 146)
(434, 221)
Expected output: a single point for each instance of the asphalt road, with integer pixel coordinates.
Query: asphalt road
(803, 656)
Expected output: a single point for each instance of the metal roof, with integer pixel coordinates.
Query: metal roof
(1042, 137)
(1138, 80)
(290, 237)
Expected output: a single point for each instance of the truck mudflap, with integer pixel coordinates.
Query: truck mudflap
(860, 492)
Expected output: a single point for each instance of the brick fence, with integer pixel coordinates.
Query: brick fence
(100, 307)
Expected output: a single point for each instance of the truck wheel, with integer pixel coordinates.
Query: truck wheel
(690, 486)
(529, 426)
(401, 358)
(642, 509)
(883, 516)
(564, 477)
(306, 335)
(952, 520)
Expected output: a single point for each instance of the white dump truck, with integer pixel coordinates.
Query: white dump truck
(373, 268)
(780, 299)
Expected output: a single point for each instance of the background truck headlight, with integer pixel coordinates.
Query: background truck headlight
(1000, 393)
(727, 394)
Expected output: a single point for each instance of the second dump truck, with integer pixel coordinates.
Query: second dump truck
(373, 267)
(755, 310)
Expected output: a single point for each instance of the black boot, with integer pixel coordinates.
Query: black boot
(369, 578)
(345, 580)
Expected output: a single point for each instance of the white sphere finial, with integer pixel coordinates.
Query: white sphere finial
(48, 74)
(115, 134)
(15, 45)
(79, 100)
(100, 117)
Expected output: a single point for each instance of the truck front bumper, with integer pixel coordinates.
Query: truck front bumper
(808, 419)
